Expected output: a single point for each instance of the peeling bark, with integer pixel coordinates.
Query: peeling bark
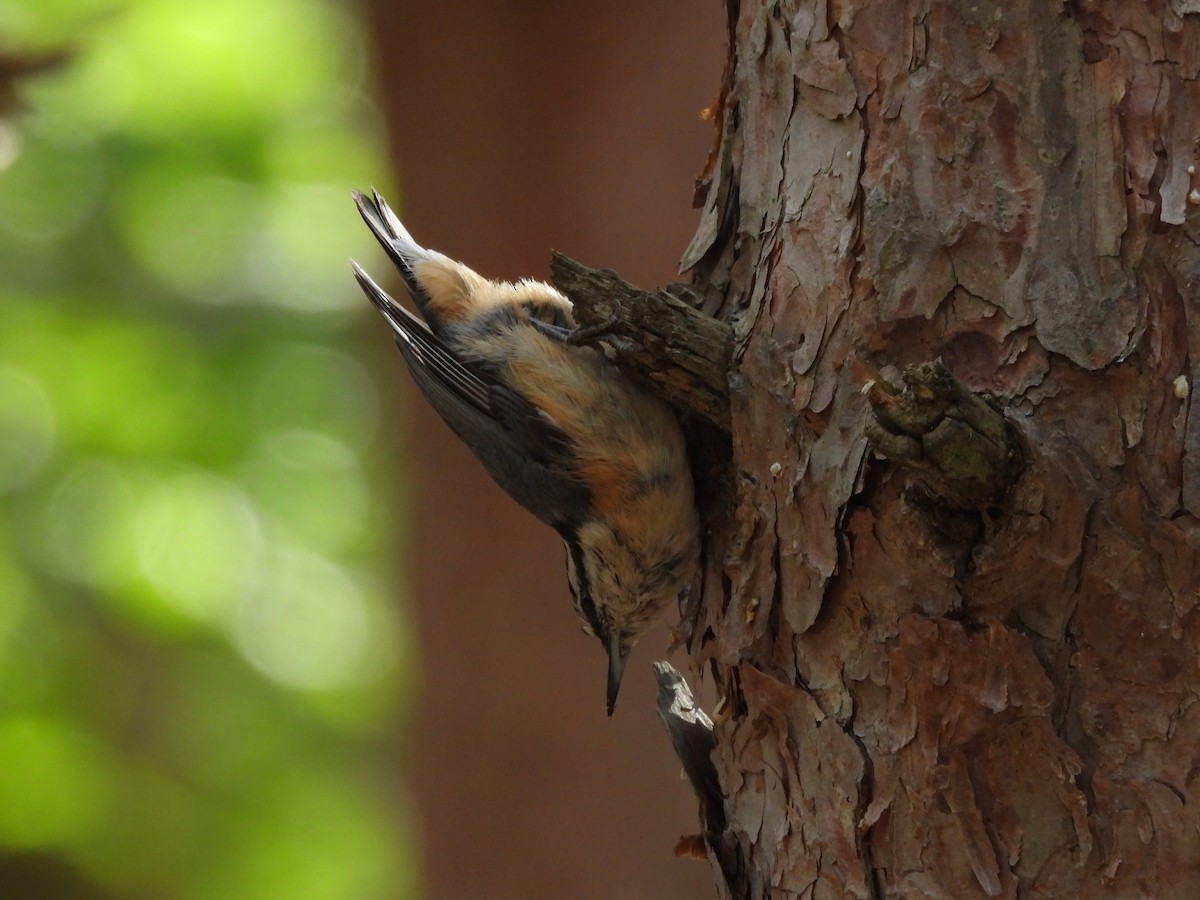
(1004, 186)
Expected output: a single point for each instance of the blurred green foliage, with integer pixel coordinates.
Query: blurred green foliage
(199, 654)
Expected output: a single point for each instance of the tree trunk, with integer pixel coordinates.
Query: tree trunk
(910, 710)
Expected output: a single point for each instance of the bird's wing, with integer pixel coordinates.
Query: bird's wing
(525, 453)
(399, 245)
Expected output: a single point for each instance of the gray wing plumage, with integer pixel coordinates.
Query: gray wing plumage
(399, 245)
(428, 358)
(526, 455)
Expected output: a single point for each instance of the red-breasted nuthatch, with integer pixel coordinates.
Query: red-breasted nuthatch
(556, 425)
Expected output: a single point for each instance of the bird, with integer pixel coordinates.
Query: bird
(556, 424)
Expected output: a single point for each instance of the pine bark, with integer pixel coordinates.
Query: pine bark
(1009, 711)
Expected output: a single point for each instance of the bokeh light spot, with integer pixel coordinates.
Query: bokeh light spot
(306, 623)
(293, 254)
(26, 428)
(311, 485)
(192, 231)
(316, 388)
(79, 530)
(44, 195)
(198, 541)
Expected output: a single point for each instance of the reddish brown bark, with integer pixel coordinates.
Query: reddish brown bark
(1004, 185)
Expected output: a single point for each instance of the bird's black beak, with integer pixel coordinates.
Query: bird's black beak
(616, 668)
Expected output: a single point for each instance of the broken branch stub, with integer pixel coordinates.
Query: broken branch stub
(656, 336)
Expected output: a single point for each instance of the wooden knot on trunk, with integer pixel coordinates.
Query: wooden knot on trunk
(963, 451)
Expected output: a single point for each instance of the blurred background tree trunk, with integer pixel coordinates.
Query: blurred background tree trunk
(518, 127)
(1005, 186)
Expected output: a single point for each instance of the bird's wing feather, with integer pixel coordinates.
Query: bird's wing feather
(399, 245)
(423, 350)
(526, 454)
